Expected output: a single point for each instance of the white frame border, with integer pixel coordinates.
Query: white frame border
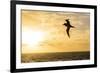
(20, 65)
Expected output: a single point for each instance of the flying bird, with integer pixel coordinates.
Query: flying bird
(68, 25)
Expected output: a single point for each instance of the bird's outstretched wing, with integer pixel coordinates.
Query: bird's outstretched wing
(67, 30)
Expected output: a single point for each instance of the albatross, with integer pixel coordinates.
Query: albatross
(68, 25)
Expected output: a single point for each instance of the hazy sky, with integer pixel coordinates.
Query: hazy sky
(43, 31)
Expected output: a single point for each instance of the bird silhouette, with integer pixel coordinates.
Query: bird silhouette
(68, 25)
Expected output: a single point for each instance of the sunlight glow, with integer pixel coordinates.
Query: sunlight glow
(31, 37)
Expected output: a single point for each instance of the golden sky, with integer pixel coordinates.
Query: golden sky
(43, 31)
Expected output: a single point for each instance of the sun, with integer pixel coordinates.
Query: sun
(32, 37)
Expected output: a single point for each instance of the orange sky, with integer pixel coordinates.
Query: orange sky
(45, 31)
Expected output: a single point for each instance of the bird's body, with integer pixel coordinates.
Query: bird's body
(68, 27)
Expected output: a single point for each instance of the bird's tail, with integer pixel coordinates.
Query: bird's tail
(72, 27)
